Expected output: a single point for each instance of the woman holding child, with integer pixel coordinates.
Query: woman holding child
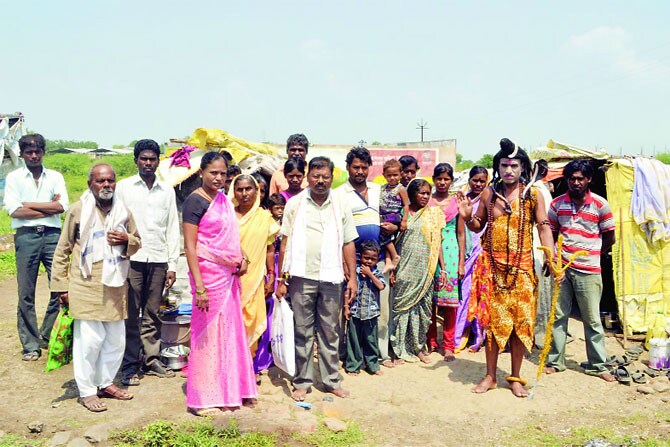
(420, 252)
(257, 236)
(220, 372)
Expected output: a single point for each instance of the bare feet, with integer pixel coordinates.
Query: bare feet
(487, 383)
(449, 356)
(379, 372)
(551, 370)
(388, 363)
(249, 402)
(607, 377)
(352, 373)
(423, 357)
(299, 394)
(518, 390)
(398, 362)
(340, 392)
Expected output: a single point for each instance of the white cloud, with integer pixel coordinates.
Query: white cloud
(612, 44)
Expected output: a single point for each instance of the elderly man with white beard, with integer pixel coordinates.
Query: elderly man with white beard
(89, 273)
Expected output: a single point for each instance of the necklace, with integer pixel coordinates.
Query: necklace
(505, 275)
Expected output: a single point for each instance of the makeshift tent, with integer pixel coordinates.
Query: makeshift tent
(645, 267)
(642, 271)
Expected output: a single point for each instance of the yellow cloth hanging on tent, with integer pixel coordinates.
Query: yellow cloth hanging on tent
(238, 147)
(646, 269)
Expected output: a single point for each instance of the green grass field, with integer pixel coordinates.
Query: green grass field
(75, 168)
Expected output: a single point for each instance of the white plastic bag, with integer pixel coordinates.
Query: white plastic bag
(281, 337)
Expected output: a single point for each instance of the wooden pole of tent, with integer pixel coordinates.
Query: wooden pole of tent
(623, 282)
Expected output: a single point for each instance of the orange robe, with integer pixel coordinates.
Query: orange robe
(503, 310)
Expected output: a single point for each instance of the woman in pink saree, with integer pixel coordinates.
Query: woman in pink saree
(220, 374)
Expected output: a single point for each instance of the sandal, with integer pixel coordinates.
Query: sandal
(622, 375)
(114, 392)
(639, 377)
(512, 379)
(388, 363)
(93, 404)
(205, 412)
(619, 360)
(133, 380)
(651, 372)
(30, 356)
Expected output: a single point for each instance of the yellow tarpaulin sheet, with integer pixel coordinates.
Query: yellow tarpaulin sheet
(237, 147)
(212, 139)
(642, 280)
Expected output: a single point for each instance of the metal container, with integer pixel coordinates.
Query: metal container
(175, 357)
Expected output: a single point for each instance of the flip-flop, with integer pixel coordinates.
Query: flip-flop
(639, 377)
(652, 372)
(133, 380)
(622, 375)
(619, 360)
(636, 349)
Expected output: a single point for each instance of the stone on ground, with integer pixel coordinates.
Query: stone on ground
(79, 442)
(36, 427)
(335, 425)
(97, 433)
(60, 438)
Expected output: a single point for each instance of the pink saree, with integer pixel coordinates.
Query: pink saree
(220, 372)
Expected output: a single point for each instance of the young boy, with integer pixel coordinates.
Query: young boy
(362, 314)
(276, 204)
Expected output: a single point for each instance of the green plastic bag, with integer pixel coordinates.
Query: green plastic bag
(60, 342)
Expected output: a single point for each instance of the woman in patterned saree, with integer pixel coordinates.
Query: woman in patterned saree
(412, 280)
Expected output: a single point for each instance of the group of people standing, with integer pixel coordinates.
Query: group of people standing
(368, 269)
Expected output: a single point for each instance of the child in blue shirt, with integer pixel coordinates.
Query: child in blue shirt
(362, 313)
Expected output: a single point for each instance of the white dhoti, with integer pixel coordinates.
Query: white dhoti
(97, 352)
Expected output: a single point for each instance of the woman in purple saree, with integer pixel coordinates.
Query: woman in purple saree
(469, 253)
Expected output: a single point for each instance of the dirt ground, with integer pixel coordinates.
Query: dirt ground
(413, 404)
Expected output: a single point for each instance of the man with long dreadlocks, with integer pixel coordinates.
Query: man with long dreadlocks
(504, 285)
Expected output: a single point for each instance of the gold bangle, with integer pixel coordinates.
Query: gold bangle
(200, 292)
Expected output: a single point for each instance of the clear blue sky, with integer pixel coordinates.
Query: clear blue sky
(594, 74)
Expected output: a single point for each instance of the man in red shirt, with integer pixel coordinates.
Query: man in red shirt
(585, 220)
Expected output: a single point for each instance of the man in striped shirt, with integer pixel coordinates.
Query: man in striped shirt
(585, 220)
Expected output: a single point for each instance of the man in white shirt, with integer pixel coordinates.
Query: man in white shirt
(152, 268)
(318, 237)
(34, 198)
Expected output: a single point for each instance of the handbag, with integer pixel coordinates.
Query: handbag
(60, 341)
(282, 342)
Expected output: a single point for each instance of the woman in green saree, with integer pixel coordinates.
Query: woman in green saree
(420, 253)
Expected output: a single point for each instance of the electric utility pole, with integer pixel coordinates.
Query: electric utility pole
(422, 125)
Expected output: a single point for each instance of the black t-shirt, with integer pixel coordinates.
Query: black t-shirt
(195, 206)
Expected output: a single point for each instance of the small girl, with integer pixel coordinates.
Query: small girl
(294, 171)
(392, 201)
